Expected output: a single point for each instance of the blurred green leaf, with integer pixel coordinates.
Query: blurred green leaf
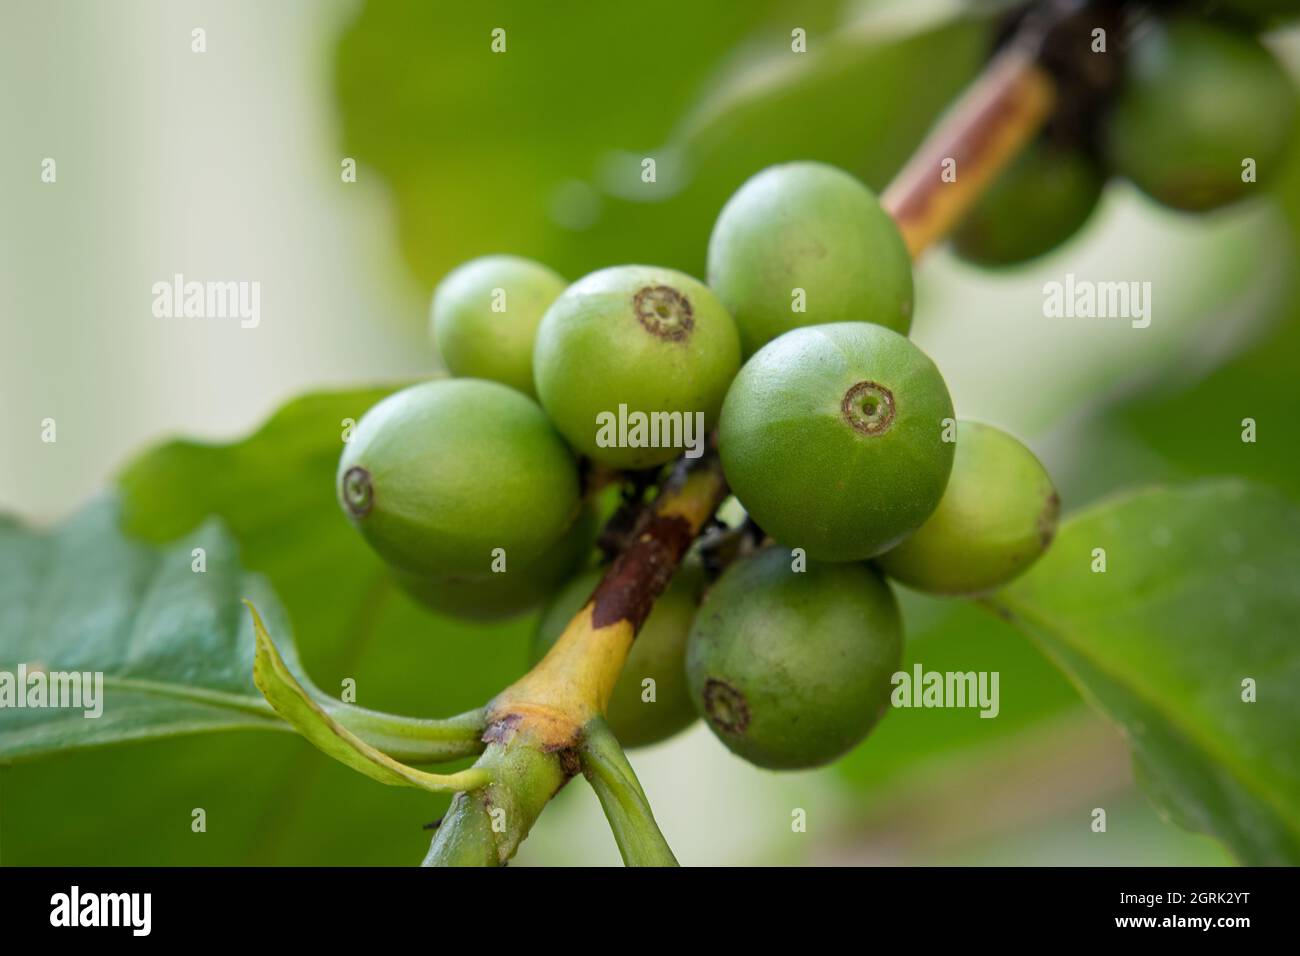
(1184, 421)
(1199, 593)
(1180, 444)
(545, 147)
(275, 492)
(1258, 384)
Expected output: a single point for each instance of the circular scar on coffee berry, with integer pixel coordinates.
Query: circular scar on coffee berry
(358, 492)
(869, 408)
(726, 707)
(664, 312)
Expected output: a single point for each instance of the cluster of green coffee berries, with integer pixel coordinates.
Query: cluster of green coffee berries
(835, 432)
(1202, 116)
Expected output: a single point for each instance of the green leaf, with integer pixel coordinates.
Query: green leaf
(275, 492)
(163, 630)
(293, 702)
(766, 76)
(175, 653)
(1199, 594)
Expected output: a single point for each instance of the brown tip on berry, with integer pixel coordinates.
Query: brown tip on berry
(1047, 519)
(725, 706)
(869, 408)
(664, 312)
(358, 493)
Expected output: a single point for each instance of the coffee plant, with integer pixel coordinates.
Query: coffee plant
(712, 490)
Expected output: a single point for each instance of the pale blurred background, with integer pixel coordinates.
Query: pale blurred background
(226, 165)
(221, 165)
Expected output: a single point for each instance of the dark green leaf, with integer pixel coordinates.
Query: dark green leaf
(174, 649)
(1200, 594)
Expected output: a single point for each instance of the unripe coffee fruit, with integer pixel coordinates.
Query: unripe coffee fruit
(441, 475)
(832, 439)
(485, 315)
(627, 357)
(1043, 199)
(807, 244)
(997, 516)
(792, 669)
(1200, 100)
(658, 654)
(502, 595)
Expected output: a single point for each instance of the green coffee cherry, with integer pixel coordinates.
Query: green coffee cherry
(998, 514)
(509, 593)
(1043, 199)
(1199, 100)
(485, 316)
(439, 476)
(658, 654)
(807, 244)
(624, 345)
(832, 439)
(792, 669)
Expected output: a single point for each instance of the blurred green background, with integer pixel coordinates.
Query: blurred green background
(226, 165)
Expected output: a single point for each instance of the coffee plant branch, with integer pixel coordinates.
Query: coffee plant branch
(984, 131)
(539, 728)
(548, 727)
(1046, 66)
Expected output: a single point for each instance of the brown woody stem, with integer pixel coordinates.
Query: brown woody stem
(976, 140)
(1046, 71)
